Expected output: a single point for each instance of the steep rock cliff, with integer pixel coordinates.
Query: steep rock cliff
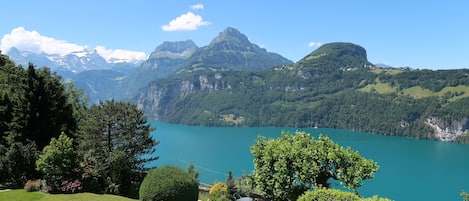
(158, 95)
(448, 132)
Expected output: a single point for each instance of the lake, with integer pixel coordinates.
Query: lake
(409, 169)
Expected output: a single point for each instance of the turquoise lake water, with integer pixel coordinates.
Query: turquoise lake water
(409, 169)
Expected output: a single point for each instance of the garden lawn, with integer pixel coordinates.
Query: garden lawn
(22, 195)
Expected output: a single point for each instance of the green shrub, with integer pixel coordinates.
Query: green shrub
(59, 162)
(329, 195)
(245, 185)
(169, 184)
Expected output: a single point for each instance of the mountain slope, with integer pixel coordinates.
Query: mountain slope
(334, 86)
(231, 50)
(163, 61)
(100, 85)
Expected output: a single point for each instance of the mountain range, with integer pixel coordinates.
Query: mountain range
(335, 86)
(101, 80)
(233, 82)
(75, 61)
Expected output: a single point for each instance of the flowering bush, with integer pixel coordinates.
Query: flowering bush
(71, 187)
(218, 188)
(219, 192)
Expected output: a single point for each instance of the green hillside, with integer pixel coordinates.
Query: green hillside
(334, 86)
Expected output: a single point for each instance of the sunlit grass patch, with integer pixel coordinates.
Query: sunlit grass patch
(22, 195)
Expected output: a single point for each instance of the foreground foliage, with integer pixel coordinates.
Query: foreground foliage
(464, 195)
(335, 195)
(169, 183)
(34, 108)
(102, 149)
(329, 195)
(59, 163)
(288, 166)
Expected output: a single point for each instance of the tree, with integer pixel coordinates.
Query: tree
(17, 163)
(34, 108)
(230, 184)
(59, 162)
(48, 110)
(115, 143)
(13, 101)
(288, 166)
(191, 169)
(464, 195)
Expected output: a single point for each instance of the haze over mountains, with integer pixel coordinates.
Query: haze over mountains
(233, 82)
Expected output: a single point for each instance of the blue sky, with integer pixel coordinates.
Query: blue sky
(419, 34)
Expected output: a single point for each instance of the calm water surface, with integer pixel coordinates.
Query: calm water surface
(409, 169)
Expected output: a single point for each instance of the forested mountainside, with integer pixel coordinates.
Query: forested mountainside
(334, 87)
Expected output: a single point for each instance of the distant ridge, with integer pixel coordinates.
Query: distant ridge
(339, 55)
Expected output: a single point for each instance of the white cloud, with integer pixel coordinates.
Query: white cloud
(185, 22)
(314, 44)
(118, 55)
(197, 7)
(34, 42)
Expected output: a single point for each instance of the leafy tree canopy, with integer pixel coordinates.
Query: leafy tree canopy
(288, 166)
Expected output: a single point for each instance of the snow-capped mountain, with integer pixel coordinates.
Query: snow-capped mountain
(76, 62)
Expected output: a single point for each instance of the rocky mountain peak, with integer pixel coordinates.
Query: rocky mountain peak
(174, 49)
(231, 34)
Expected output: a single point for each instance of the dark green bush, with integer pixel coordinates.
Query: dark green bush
(169, 184)
(328, 195)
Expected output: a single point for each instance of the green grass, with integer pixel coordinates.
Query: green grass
(204, 196)
(382, 88)
(460, 88)
(387, 71)
(22, 195)
(418, 92)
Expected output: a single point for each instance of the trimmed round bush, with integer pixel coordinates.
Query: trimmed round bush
(329, 195)
(169, 183)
